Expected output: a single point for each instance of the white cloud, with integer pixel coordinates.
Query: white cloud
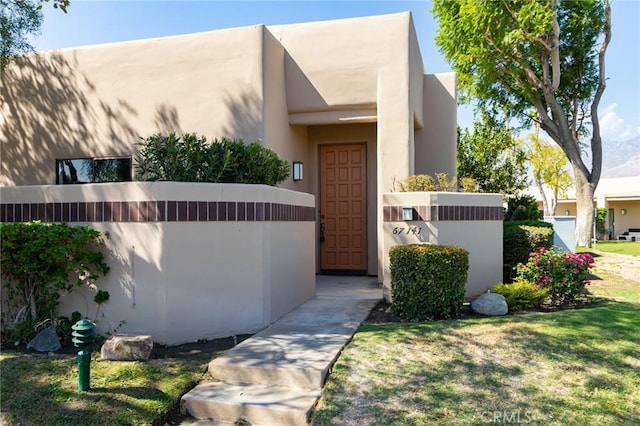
(613, 127)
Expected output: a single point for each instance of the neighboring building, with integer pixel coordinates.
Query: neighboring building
(621, 198)
(348, 98)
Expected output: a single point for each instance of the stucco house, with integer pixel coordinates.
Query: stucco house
(349, 97)
(346, 102)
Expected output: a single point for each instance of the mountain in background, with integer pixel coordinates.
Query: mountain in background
(621, 159)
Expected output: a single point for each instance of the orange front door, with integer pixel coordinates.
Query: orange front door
(343, 209)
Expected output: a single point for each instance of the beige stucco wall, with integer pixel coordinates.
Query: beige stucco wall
(183, 281)
(290, 142)
(348, 59)
(436, 141)
(99, 100)
(482, 238)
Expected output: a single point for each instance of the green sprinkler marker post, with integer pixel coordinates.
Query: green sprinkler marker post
(84, 333)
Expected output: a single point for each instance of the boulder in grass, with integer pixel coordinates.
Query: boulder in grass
(126, 347)
(492, 304)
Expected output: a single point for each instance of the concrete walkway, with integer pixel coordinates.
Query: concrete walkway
(276, 376)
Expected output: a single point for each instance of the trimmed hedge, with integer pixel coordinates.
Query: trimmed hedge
(521, 239)
(428, 280)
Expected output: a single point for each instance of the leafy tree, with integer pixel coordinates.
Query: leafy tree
(18, 20)
(549, 169)
(537, 61)
(57, 4)
(492, 156)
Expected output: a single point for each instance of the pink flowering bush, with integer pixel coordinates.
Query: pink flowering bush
(564, 274)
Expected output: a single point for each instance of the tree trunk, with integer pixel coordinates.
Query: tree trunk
(543, 195)
(554, 205)
(584, 204)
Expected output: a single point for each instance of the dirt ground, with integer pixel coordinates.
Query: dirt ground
(628, 267)
(202, 349)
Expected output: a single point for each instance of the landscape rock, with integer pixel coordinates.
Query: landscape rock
(126, 347)
(490, 304)
(46, 340)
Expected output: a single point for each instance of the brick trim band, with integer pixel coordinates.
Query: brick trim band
(156, 211)
(444, 213)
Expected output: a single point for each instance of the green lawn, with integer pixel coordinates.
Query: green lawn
(579, 367)
(621, 247)
(38, 389)
(575, 367)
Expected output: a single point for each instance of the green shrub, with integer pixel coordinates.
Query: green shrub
(600, 218)
(563, 274)
(416, 183)
(445, 184)
(522, 295)
(469, 184)
(523, 207)
(519, 239)
(190, 158)
(426, 183)
(428, 280)
(39, 263)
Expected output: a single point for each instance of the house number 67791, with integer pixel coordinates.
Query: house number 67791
(415, 230)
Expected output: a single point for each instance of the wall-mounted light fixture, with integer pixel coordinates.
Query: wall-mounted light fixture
(407, 212)
(623, 212)
(298, 170)
(566, 212)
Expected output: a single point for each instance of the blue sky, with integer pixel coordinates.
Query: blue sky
(94, 22)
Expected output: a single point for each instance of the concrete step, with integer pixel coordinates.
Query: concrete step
(297, 360)
(255, 404)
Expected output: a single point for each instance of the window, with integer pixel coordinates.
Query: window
(93, 170)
